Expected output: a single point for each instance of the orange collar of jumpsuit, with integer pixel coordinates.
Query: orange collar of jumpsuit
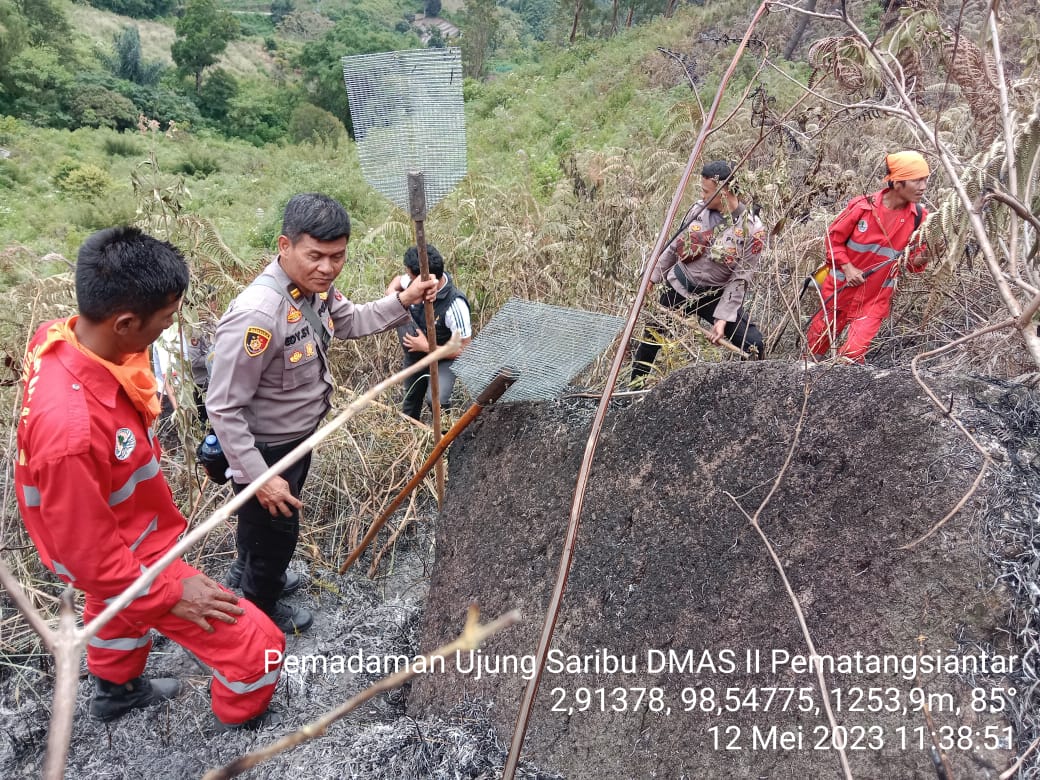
(134, 375)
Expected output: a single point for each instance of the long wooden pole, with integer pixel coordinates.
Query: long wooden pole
(417, 206)
(491, 394)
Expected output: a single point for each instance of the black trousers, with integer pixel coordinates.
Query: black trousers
(266, 542)
(742, 333)
(417, 386)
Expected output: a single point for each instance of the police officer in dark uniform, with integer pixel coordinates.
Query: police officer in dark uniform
(270, 385)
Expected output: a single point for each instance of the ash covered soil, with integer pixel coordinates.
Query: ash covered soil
(178, 740)
(665, 561)
(668, 568)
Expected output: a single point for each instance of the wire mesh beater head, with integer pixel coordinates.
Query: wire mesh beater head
(546, 345)
(407, 112)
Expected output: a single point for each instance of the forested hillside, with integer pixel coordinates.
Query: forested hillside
(579, 119)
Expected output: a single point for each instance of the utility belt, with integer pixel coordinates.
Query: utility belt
(693, 289)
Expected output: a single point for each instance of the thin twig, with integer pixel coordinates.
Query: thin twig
(1010, 771)
(472, 636)
(753, 519)
(987, 461)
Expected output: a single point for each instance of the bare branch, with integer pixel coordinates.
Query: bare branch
(805, 12)
(21, 601)
(69, 647)
(472, 636)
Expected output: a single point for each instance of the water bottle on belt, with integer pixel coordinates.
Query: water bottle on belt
(211, 456)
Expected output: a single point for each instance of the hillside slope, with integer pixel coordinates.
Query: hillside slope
(671, 585)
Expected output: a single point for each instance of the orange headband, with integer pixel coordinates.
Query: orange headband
(905, 166)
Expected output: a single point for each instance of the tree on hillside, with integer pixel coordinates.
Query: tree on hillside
(480, 35)
(280, 9)
(126, 61)
(320, 60)
(45, 21)
(138, 9)
(218, 90)
(203, 34)
(13, 32)
(537, 15)
(432, 7)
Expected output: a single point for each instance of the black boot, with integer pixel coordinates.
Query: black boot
(291, 581)
(112, 700)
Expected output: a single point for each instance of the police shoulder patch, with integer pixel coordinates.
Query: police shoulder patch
(256, 340)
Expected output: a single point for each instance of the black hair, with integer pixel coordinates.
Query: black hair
(720, 171)
(411, 260)
(121, 269)
(315, 215)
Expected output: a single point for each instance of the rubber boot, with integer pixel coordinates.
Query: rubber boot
(112, 700)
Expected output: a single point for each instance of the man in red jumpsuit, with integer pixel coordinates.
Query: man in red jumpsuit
(866, 246)
(96, 503)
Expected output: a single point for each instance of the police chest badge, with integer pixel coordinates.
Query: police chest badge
(125, 443)
(256, 340)
(293, 315)
(861, 226)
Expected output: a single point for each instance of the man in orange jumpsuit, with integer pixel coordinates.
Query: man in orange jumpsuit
(96, 503)
(865, 247)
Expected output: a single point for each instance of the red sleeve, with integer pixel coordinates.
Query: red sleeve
(83, 536)
(839, 231)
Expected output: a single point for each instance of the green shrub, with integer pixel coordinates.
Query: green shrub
(198, 164)
(11, 174)
(82, 181)
(260, 114)
(546, 173)
(310, 124)
(122, 146)
(102, 212)
(9, 128)
(95, 106)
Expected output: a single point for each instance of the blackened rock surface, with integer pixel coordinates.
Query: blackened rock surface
(667, 560)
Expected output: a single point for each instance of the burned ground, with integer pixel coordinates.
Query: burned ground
(667, 560)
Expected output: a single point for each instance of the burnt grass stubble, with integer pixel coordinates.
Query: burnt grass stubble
(178, 739)
(664, 560)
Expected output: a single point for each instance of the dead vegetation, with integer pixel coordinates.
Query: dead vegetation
(587, 242)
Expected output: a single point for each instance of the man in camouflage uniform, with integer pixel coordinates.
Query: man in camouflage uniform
(709, 265)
